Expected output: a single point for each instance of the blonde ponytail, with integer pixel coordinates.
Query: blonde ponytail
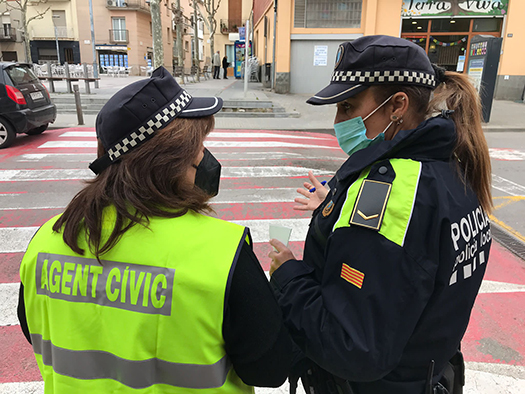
(471, 150)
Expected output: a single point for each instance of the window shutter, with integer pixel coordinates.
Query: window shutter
(300, 13)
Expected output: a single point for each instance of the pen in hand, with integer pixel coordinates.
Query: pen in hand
(313, 188)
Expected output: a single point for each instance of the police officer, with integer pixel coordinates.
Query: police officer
(133, 287)
(397, 250)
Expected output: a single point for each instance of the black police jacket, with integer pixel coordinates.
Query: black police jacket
(393, 261)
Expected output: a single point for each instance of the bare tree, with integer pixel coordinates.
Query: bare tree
(21, 6)
(178, 19)
(211, 10)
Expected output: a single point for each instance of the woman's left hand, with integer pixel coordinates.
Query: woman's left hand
(279, 257)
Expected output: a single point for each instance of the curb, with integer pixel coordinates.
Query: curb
(499, 129)
(508, 240)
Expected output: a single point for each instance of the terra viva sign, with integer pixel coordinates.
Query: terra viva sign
(428, 8)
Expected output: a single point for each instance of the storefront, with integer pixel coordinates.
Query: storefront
(112, 55)
(444, 29)
(45, 51)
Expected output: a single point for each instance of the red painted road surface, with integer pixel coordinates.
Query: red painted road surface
(495, 334)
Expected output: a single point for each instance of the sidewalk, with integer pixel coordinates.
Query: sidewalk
(506, 115)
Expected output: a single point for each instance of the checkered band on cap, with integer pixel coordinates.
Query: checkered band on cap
(378, 77)
(156, 122)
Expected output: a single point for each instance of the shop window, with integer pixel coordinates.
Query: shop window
(421, 41)
(415, 25)
(445, 50)
(487, 25)
(328, 13)
(450, 25)
(47, 54)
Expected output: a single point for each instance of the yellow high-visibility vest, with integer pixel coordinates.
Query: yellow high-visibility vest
(148, 320)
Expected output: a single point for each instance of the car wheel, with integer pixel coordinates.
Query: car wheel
(38, 130)
(7, 134)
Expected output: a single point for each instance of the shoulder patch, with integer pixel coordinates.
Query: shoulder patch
(370, 205)
(327, 210)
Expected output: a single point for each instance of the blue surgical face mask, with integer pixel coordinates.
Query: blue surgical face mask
(351, 134)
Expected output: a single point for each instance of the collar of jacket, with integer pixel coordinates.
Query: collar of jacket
(434, 139)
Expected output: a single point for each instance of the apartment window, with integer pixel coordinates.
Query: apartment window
(7, 30)
(9, 56)
(169, 34)
(59, 23)
(328, 13)
(119, 29)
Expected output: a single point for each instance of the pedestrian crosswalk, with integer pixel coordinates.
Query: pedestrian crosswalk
(261, 172)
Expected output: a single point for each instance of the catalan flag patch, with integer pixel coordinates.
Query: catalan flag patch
(352, 275)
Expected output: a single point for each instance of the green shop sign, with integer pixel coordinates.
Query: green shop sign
(430, 8)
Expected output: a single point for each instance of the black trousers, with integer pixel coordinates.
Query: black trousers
(225, 73)
(216, 72)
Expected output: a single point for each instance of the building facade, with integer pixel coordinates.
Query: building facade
(123, 33)
(231, 15)
(308, 33)
(11, 45)
(54, 37)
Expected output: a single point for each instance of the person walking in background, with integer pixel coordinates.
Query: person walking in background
(216, 65)
(225, 66)
(398, 246)
(133, 288)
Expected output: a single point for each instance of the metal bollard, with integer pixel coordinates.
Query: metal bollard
(78, 105)
(86, 76)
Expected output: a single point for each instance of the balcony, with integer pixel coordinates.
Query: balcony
(130, 5)
(118, 37)
(231, 25)
(8, 34)
(61, 33)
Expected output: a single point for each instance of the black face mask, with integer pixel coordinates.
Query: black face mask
(208, 174)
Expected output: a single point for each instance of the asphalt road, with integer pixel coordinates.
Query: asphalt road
(261, 170)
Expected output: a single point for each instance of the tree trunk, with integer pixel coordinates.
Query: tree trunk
(211, 18)
(455, 7)
(158, 49)
(27, 47)
(180, 53)
(196, 39)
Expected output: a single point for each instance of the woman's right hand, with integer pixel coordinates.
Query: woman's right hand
(312, 200)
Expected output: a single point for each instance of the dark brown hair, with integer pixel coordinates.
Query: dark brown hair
(148, 181)
(471, 150)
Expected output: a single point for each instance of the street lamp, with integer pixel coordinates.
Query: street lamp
(56, 36)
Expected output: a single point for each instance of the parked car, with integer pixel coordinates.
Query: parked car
(25, 105)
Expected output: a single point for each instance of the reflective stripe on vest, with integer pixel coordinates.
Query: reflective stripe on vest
(400, 203)
(95, 364)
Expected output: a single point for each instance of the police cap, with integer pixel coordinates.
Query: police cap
(133, 114)
(375, 60)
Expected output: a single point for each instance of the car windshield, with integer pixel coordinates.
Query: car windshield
(21, 75)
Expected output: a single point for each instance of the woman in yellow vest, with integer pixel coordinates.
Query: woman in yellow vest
(133, 289)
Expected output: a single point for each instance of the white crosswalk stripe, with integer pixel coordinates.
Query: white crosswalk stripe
(227, 172)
